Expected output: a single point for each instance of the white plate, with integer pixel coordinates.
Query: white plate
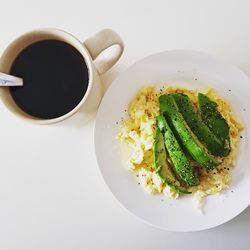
(193, 70)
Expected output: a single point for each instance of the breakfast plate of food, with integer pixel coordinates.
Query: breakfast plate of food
(171, 140)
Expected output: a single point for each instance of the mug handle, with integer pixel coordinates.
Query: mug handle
(105, 47)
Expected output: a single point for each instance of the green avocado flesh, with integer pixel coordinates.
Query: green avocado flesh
(199, 128)
(177, 156)
(162, 166)
(214, 120)
(183, 132)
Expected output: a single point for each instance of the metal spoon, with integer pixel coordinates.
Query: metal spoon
(9, 80)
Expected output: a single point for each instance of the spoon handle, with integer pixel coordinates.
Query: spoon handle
(9, 80)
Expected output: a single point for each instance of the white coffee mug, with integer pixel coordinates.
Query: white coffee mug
(96, 53)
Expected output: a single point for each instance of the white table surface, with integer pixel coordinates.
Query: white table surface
(52, 195)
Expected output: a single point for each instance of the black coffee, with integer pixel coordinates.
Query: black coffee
(55, 79)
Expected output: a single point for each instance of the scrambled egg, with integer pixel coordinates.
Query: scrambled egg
(138, 132)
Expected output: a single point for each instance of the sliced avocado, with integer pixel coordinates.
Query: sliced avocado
(178, 158)
(214, 120)
(162, 166)
(188, 139)
(199, 128)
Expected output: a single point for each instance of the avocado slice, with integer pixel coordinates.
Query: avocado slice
(162, 166)
(178, 158)
(199, 128)
(188, 139)
(215, 121)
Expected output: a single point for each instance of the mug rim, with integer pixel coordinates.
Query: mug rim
(73, 41)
